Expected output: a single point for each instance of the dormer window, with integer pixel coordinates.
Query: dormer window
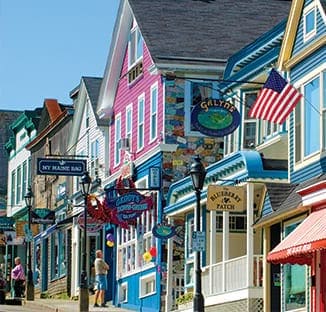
(135, 54)
(309, 22)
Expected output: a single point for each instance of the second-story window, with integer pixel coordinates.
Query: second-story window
(25, 178)
(309, 21)
(13, 188)
(135, 46)
(312, 117)
(249, 124)
(140, 122)
(135, 54)
(117, 140)
(19, 185)
(95, 146)
(129, 124)
(154, 101)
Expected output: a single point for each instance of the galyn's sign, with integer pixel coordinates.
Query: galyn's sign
(226, 198)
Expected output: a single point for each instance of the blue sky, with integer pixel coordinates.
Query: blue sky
(47, 46)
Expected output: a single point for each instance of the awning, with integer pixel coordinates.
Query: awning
(45, 233)
(299, 245)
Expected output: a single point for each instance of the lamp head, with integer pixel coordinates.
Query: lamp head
(85, 183)
(197, 173)
(29, 197)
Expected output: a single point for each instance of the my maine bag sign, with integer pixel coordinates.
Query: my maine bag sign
(215, 117)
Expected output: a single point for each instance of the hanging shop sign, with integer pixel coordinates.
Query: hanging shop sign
(214, 117)
(42, 216)
(7, 223)
(61, 167)
(130, 205)
(225, 198)
(93, 225)
(163, 231)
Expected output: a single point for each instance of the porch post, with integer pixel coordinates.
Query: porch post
(266, 269)
(250, 234)
(169, 286)
(212, 248)
(225, 247)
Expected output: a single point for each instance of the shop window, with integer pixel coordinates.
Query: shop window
(136, 240)
(237, 223)
(123, 292)
(294, 280)
(147, 285)
(58, 255)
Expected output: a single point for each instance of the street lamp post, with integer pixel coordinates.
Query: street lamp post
(30, 283)
(198, 173)
(83, 289)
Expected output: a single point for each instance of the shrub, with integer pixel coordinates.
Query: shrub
(185, 298)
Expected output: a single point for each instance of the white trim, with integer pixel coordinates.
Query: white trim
(142, 282)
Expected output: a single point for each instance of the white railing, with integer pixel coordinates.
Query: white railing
(231, 275)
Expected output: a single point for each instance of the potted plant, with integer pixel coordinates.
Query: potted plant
(185, 301)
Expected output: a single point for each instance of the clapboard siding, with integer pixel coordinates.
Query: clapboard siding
(128, 94)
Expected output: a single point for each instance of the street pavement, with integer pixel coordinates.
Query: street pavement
(55, 305)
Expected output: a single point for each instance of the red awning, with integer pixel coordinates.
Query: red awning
(299, 245)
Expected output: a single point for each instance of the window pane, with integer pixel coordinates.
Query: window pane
(139, 45)
(310, 21)
(312, 118)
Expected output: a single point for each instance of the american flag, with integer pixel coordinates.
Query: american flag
(276, 100)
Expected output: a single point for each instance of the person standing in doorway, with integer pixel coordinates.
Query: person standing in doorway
(101, 271)
(18, 277)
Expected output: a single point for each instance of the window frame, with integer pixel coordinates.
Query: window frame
(308, 34)
(123, 289)
(117, 140)
(133, 47)
(301, 159)
(129, 110)
(248, 121)
(141, 122)
(284, 268)
(154, 112)
(143, 280)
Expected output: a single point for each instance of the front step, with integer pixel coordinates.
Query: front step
(14, 301)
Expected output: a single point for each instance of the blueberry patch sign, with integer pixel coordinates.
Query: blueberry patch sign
(214, 117)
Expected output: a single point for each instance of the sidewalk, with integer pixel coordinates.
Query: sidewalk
(60, 305)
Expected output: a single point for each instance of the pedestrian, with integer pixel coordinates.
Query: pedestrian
(18, 277)
(101, 271)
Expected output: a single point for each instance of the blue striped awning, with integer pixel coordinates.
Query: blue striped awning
(45, 233)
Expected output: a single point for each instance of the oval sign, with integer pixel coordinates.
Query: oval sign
(93, 225)
(163, 231)
(215, 117)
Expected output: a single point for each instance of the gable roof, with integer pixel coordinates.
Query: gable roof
(89, 86)
(197, 33)
(186, 30)
(292, 28)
